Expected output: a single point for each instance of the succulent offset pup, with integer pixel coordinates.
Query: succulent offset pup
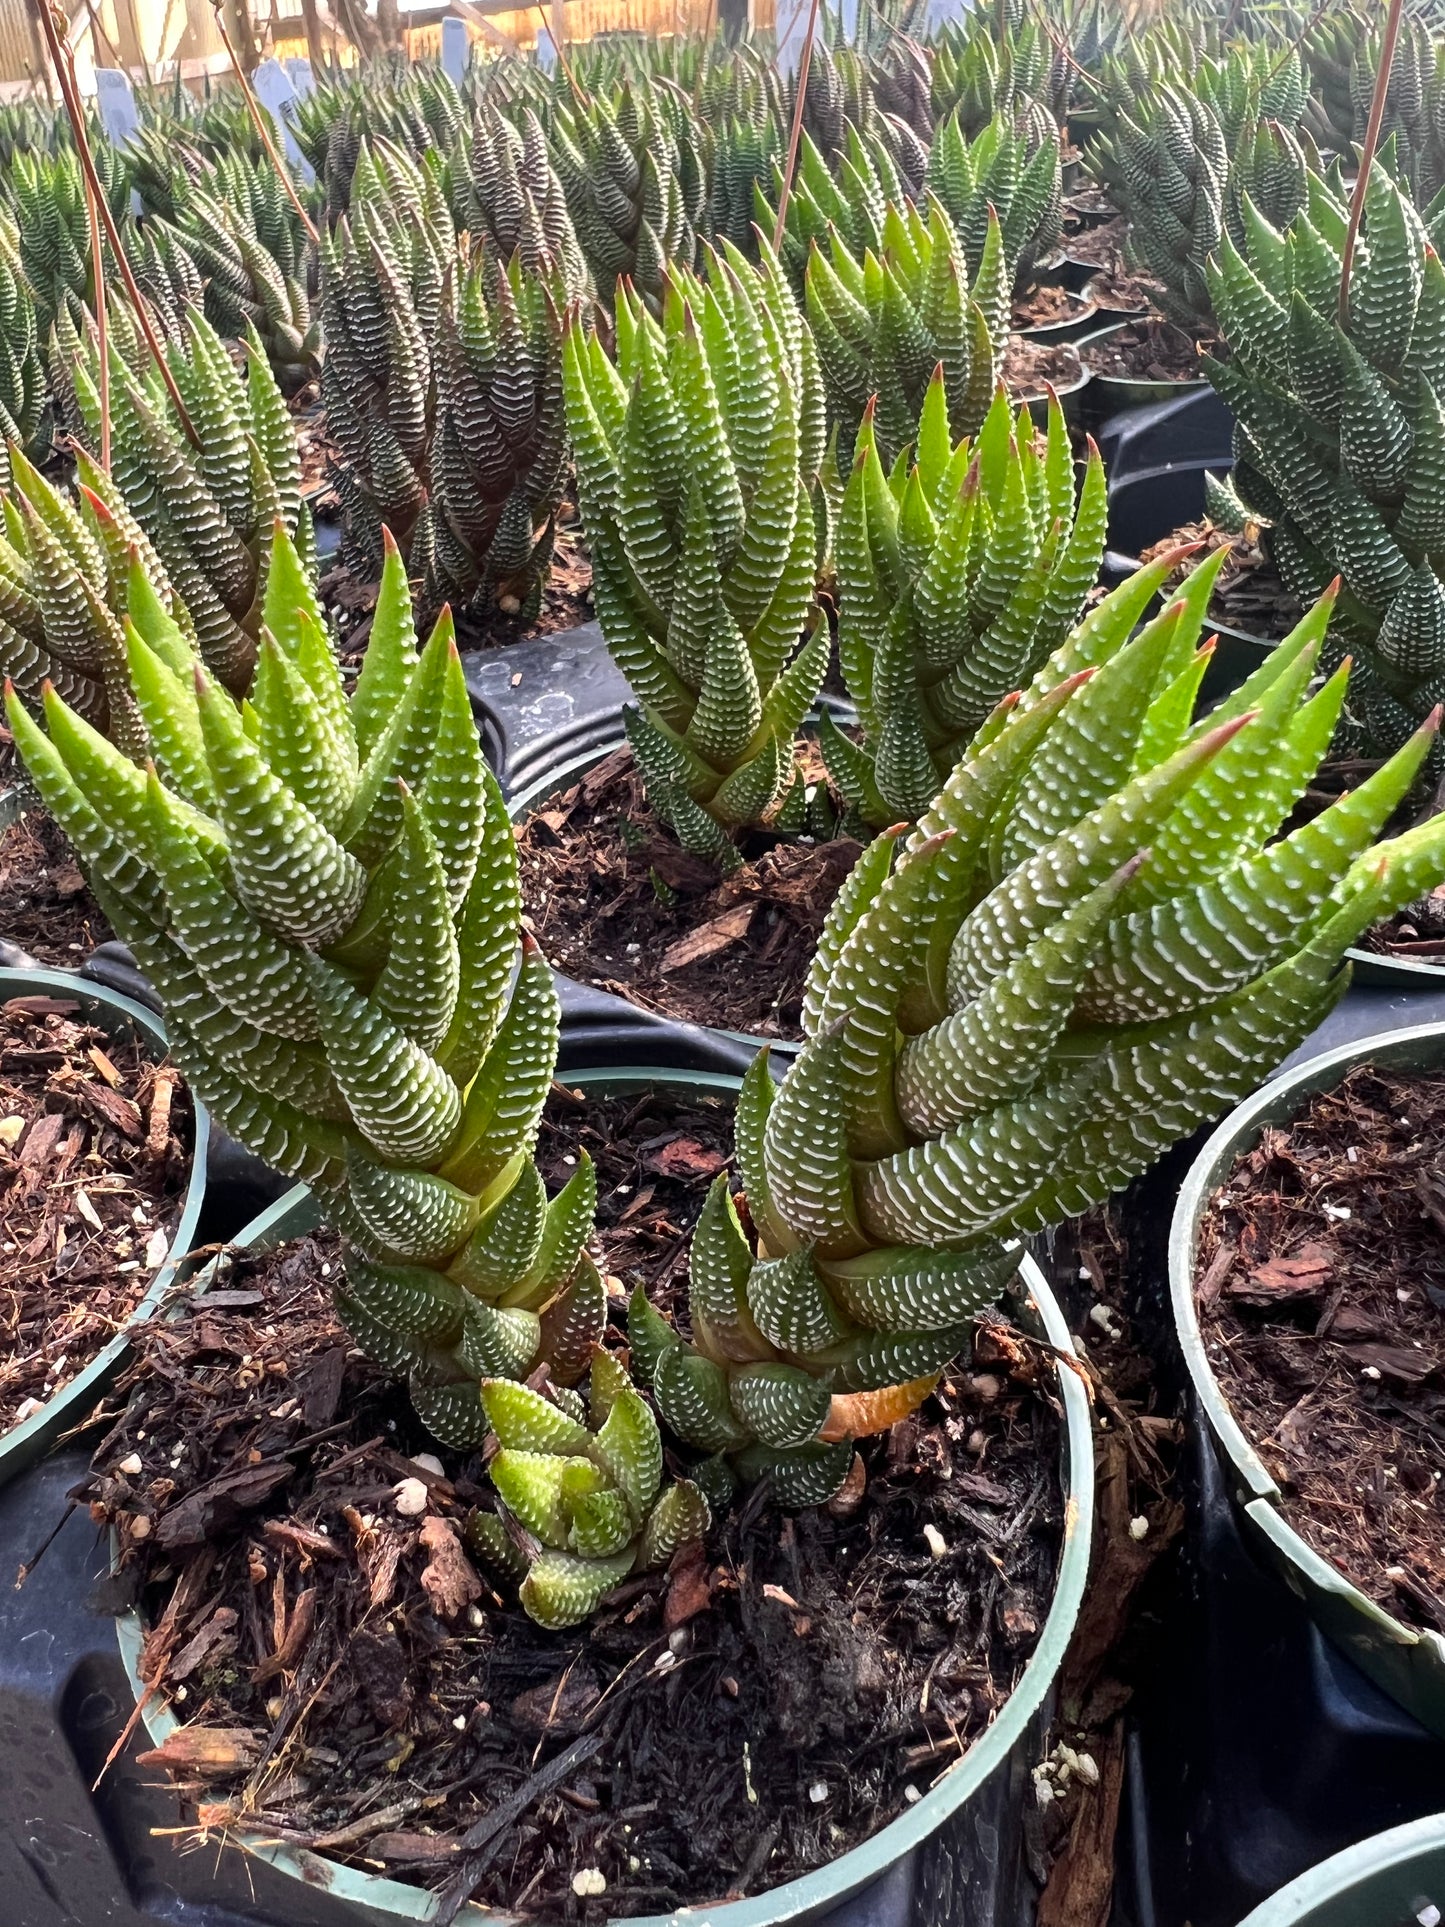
(324, 894)
(1086, 947)
(958, 575)
(582, 1494)
(695, 452)
(1340, 437)
(73, 574)
(209, 506)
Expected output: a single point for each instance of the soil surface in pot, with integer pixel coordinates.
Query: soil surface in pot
(1144, 350)
(45, 905)
(94, 1159)
(352, 1683)
(598, 870)
(1320, 1284)
(1248, 594)
(1103, 246)
(1047, 305)
(1029, 367)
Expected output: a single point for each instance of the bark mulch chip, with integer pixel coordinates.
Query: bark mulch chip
(1248, 594)
(351, 1683)
(1320, 1283)
(614, 901)
(94, 1160)
(1144, 350)
(1031, 366)
(45, 904)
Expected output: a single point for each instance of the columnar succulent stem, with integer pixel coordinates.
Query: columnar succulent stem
(1088, 945)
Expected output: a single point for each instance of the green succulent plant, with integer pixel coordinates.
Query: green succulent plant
(443, 385)
(636, 184)
(695, 451)
(1342, 49)
(1011, 170)
(47, 193)
(1087, 947)
(885, 321)
(239, 228)
(1183, 176)
(959, 574)
(323, 892)
(582, 1493)
(850, 198)
(1340, 434)
(979, 74)
(209, 506)
(22, 362)
(74, 571)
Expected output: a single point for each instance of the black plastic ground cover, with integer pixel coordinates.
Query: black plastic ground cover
(541, 703)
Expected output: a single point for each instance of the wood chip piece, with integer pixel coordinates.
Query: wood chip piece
(449, 1580)
(1302, 1275)
(207, 1750)
(709, 938)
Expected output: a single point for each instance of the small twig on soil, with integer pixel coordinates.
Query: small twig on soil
(480, 1843)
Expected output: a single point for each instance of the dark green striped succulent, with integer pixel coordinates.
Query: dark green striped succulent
(636, 184)
(1183, 169)
(958, 575)
(22, 362)
(443, 386)
(1340, 437)
(258, 268)
(47, 192)
(324, 893)
(886, 319)
(695, 452)
(513, 201)
(1087, 947)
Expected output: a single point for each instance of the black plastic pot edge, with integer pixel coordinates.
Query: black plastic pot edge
(1407, 1663)
(1111, 395)
(1386, 1881)
(997, 1763)
(29, 1441)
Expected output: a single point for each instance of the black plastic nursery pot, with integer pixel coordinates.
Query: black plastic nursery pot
(1394, 1879)
(117, 1016)
(1109, 395)
(955, 1858)
(1406, 1662)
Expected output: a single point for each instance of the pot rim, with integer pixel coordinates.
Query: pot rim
(1157, 388)
(796, 1899)
(1355, 1867)
(1276, 1101)
(24, 1443)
